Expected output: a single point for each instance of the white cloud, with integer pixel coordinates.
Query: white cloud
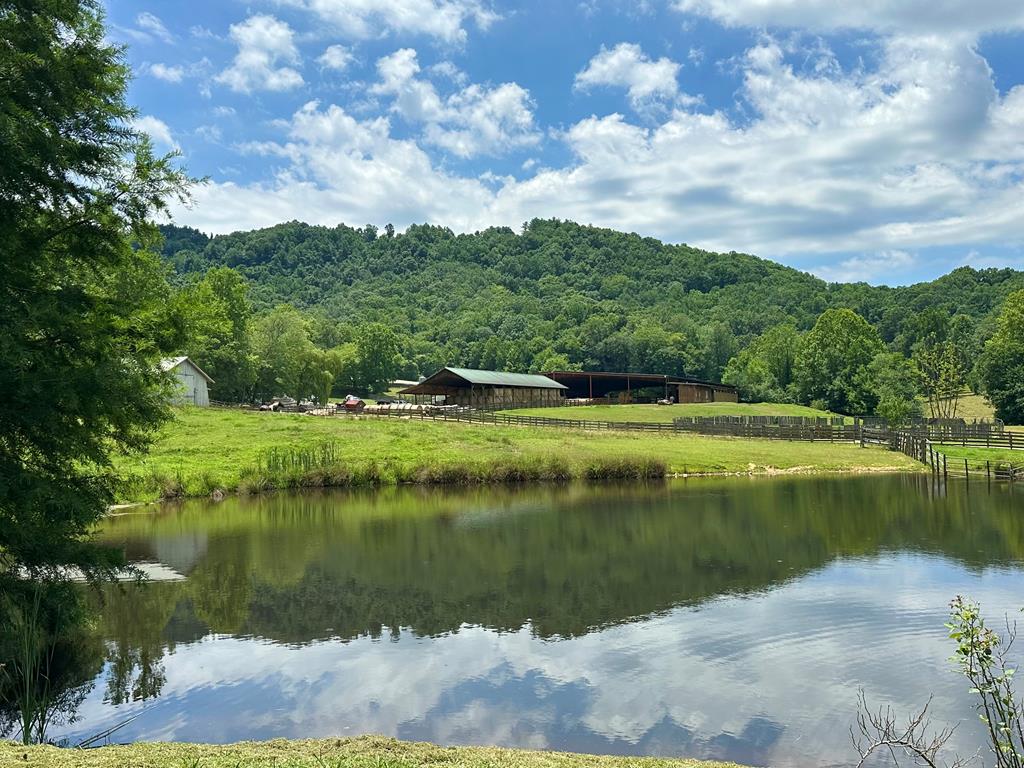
(1002, 260)
(210, 133)
(341, 169)
(627, 66)
(445, 20)
(416, 100)
(883, 267)
(900, 157)
(449, 71)
(157, 129)
(919, 151)
(264, 45)
(151, 24)
(783, 657)
(486, 121)
(336, 57)
(888, 16)
(202, 33)
(473, 121)
(166, 72)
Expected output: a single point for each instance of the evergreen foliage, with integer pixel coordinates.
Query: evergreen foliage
(84, 304)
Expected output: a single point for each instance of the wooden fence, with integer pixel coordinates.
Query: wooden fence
(766, 421)
(923, 444)
(943, 466)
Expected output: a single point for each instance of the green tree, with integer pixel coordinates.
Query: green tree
(763, 372)
(894, 384)
(380, 357)
(289, 363)
(834, 356)
(1002, 362)
(943, 377)
(343, 360)
(84, 305)
(219, 335)
(719, 348)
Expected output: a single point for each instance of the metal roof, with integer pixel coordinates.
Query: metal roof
(170, 363)
(486, 378)
(501, 379)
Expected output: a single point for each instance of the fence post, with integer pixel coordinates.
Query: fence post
(967, 470)
(945, 467)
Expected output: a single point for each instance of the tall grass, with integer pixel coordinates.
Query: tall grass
(323, 466)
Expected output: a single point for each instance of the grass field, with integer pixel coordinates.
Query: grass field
(977, 457)
(364, 752)
(974, 407)
(664, 414)
(204, 450)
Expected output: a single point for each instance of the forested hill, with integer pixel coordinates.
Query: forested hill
(561, 293)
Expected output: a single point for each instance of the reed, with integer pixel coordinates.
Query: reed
(322, 466)
(209, 450)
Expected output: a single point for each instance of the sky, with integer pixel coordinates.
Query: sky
(877, 140)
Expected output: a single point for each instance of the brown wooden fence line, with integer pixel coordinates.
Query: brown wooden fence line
(945, 467)
(794, 428)
(766, 421)
(920, 445)
(1007, 441)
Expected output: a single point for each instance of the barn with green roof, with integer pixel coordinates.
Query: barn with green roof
(487, 389)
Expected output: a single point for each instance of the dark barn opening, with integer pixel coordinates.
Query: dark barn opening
(641, 387)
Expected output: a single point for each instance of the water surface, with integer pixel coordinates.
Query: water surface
(728, 619)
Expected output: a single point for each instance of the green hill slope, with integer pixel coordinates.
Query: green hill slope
(560, 291)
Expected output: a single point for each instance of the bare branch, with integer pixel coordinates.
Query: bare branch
(916, 740)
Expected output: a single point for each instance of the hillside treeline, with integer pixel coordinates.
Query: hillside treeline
(561, 295)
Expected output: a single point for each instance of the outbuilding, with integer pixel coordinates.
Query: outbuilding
(487, 389)
(193, 383)
(641, 387)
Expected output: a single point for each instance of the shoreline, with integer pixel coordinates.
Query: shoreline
(767, 472)
(208, 453)
(355, 752)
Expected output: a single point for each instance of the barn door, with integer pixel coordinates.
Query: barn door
(189, 381)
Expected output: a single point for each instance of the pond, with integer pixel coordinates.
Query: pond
(731, 619)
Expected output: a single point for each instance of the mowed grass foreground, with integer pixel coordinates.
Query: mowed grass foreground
(205, 450)
(664, 414)
(363, 752)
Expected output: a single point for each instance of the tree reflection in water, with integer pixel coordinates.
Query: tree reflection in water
(301, 577)
(53, 648)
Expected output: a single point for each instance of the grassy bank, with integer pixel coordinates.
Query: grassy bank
(204, 450)
(664, 414)
(364, 752)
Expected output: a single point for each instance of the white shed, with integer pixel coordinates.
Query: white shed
(194, 389)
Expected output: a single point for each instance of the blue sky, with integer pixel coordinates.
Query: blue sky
(879, 141)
